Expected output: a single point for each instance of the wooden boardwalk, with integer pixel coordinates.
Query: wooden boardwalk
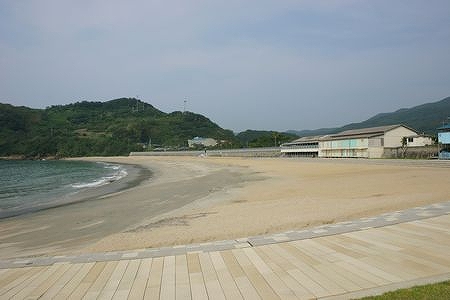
(344, 266)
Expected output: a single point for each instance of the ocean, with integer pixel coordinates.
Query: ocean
(27, 186)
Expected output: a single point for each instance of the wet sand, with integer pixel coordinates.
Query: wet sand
(192, 199)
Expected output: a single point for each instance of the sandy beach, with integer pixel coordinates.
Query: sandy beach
(195, 199)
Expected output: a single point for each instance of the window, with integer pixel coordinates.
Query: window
(410, 140)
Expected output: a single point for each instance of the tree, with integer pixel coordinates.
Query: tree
(404, 146)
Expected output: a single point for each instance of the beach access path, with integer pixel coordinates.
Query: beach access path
(343, 260)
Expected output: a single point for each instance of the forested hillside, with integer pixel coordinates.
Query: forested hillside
(262, 138)
(86, 128)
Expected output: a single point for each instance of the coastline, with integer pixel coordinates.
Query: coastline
(135, 175)
(111, 209)
(192, 199)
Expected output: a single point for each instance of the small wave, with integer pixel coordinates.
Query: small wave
(103, 180)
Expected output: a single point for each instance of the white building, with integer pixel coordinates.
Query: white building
(418, 140)
(200, 141)
(365, 143)
(444, 141)
(303, 147)
(374, 142)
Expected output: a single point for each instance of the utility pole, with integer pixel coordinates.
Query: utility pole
(184, 107)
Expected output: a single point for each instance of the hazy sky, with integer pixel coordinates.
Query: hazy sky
(244, 64)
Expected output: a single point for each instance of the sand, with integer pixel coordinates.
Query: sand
(195, 199)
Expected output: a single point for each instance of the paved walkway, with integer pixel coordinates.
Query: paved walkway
(344, 260)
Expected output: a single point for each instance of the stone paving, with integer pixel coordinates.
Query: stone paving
(382, 220)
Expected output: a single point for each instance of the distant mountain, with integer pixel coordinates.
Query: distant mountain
(86, 128)
(424, 118)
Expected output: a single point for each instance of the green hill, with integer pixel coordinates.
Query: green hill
(86, 128)
(262, 138)
(423, 118)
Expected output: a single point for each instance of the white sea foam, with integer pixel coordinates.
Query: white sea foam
(121, 173)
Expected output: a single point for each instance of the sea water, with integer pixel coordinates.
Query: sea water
(27, 186)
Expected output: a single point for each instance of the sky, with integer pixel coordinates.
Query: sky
(269, 65)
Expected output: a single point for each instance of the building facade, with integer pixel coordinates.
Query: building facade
(444, 141)
(374, 142)
(302, 147)
(365, 143)
(419, 140)
(200, 141)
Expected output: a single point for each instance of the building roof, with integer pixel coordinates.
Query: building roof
(419, 135)
(444, 127)
(305, 139)
(366, 132)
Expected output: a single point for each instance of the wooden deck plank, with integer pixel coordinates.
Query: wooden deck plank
(19, 277)
(404, 241)
(323, 279)
(264, 290)
(348, 279)
(279, 287)
(113, 282)
(368, 276)
(182, 285)
(412, 241)
(47, 272)
(306, 281)
(11, 275)
(62, 281)
(198, 288)
(412, 251)
(392, 264)
(73, 283)
(342, 248)
(168, 278)
(365, 237)
(408, 229)
(375, 270)
(29, 277)
(244, 285)
(358, 246)
(45, 285)
(437, 258)
(140, 283)
(305, 256)
(213, 287)
(442, 220)
(317, 267)
(276, 263)
(230, 289)
(410, 246)
(430, 226)
(124, 288)
(154, 280)
(337, 275)
(96, 288)
(87, 281)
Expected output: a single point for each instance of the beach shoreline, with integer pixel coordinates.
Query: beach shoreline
(198, 199)
(135, 174)
(118, 207)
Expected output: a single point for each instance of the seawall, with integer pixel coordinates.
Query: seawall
(245, 152)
